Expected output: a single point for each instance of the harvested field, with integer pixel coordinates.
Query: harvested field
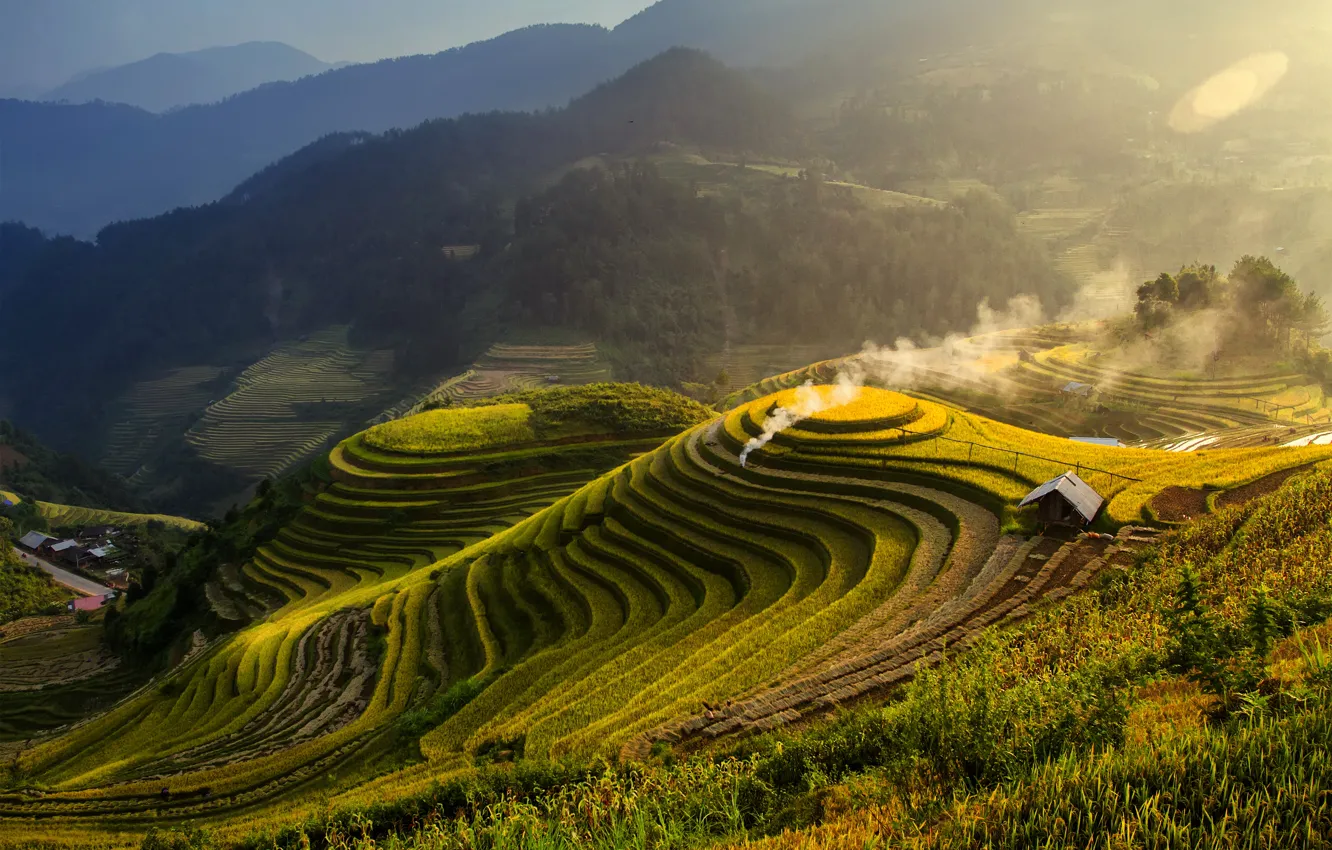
(1179, 504)
(1264, 486)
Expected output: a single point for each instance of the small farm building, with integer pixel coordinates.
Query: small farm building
(34, 540)
(1067, 500)
(1079, 389)
(65, 550)
(88, 603)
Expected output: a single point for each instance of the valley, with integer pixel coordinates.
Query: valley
(759, 424)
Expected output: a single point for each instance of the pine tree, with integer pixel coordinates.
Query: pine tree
(1188, 596)
(1262, 622)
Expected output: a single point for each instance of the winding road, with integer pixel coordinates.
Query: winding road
(74, 582)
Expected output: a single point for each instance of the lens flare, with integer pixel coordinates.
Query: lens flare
(1229, 92)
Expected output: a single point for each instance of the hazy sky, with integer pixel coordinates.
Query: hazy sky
(44, 42)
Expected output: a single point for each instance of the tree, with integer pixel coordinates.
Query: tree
(1266, 297)
(1199, 287)
(1262, 622)
(1312, 320)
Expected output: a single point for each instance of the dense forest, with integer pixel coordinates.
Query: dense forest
(655, 270)
(39, 473)
(352, 230)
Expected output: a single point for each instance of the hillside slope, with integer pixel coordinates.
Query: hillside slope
(835, 564)
(288, 254)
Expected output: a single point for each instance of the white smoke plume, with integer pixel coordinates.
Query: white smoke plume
(905, 364)
(902, 366)
(810, 401)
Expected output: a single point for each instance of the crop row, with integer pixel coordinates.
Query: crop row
(153, 408)
(260, 719)
(264, 427)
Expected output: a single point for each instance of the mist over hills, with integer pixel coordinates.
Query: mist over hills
(911, 162)
(171, 80)
(74, 169)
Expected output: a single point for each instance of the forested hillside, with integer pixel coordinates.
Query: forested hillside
(352, 231)
(38, 473)
(75, 169)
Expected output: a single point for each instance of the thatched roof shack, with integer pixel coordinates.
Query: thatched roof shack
(1067, 500)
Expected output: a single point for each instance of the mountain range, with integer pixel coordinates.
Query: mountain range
(171, 80)
(76, 168)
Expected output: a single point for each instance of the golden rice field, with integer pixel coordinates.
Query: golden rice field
(677, 598)
(463, 429)
(60, 516)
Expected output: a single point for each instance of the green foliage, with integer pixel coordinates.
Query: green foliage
(607, 408)
(168, 597)
(636, 260)
(415, 723)
(24, 590)
(26, 516)
(45, 475)
(1259, 302)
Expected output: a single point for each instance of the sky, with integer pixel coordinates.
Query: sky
(45, 42)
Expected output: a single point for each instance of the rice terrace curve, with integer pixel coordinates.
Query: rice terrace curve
(555, 575)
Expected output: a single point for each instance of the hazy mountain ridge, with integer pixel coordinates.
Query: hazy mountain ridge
(345, 211)
(198, 154)
(172, 80)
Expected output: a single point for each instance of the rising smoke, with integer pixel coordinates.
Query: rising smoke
(810, 401)
(902, 366)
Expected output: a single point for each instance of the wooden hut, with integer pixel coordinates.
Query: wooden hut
(1067, 500)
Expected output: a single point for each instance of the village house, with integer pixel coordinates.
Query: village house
(33, 541)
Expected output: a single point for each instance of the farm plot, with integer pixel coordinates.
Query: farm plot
(152, 410)
(1198, 404)
(52, 656)
(1055, 224)
(61, 516)
(507, 368)
(351, 628)
(682, 595)
(289, 405)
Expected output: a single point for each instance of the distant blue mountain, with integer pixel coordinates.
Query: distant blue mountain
(170, 80)
(74, 169)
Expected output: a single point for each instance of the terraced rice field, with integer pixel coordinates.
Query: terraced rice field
(61, 516)
(53, 672)
(152, 410)
(289, 405)
(1055, 224)
(680, 597)
(266, 715)
(1180, 407)
(506, 368)
(1176, 413)
(52, 656)
(746, 365)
